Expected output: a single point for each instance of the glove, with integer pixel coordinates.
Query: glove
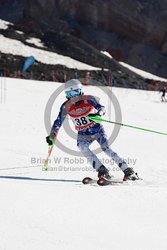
(50, 140)
(99, 113)
(93, 115)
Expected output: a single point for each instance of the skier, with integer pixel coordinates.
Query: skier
(163, 90)
(80, 108)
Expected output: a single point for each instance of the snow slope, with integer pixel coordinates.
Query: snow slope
(143, 73)
(15, 47)
(4, 25)
(53, 210)
(137, 71)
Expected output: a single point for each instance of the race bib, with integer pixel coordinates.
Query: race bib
(82, 123)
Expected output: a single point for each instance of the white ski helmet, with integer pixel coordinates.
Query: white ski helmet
(73, 88)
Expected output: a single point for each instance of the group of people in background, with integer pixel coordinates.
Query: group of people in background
(61, 75)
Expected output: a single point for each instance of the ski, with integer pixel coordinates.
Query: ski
(101, 181)
(88, 180)
(105, 182)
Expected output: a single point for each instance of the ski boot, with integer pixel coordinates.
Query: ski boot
(130, 175)
(103, 173)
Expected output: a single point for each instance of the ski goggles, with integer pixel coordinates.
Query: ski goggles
(72, 93)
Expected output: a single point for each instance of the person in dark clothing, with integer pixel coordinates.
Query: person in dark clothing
(163, 90)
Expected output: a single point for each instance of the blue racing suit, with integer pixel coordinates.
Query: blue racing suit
(88, 131)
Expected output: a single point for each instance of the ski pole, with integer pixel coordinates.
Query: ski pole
(99, 119)
(50, 148)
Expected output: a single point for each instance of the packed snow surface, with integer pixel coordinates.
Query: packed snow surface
(53, 209)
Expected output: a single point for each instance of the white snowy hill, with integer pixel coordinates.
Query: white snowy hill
(15, 47)
(53, 209)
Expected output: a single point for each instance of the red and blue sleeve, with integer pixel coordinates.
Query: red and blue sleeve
(95, 103)
(59, 120)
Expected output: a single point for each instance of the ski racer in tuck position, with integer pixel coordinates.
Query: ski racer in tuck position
(80, 107)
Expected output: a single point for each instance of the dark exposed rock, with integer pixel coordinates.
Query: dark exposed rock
(133, 31)
(11, 10)
(136, 29)
(59, 73)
